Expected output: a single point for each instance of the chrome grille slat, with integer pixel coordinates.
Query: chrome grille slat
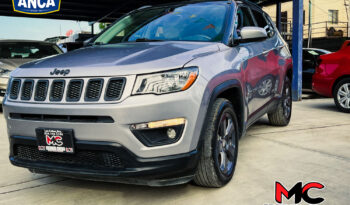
(84, 90)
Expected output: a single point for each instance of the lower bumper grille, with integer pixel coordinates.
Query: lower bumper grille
(87, 159)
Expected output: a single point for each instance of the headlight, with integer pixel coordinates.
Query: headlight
(4, 73)
(165, 82)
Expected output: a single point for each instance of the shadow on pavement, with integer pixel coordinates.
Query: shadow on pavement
(327, 107)
(311, 95)
(127, 190)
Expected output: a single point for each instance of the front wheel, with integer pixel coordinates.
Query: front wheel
(341, 95)
(281, 116)
(220, 146)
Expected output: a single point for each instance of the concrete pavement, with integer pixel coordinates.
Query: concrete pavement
(314, 148)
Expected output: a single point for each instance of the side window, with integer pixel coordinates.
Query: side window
(263, 23)
(244, 19)
(271, 25)
(260, 19)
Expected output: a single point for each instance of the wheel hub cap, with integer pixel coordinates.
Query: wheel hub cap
(344, 96)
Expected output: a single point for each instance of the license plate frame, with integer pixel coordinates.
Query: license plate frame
(55, 140)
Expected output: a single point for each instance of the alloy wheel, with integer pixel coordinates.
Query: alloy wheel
(344, 96)
(226, 146)
(287, 102)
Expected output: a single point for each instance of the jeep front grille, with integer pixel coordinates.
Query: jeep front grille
(94, 89)
(57, 89)
(114, 89)
(41, 90)
(15, 87)
(27, 90)
(74, 90)
(67, 90)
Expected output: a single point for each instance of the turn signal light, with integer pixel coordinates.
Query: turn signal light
(160, 124)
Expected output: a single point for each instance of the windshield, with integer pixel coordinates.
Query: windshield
(194, 22)
(23, 50)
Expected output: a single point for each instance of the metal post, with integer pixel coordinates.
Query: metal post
(297, 49)
(278, 16)
(347, 8)
(310, 25)
(92, 23)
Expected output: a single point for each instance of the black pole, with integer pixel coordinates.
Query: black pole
(278, 15)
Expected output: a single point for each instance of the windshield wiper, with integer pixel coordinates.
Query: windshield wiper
(147, 40)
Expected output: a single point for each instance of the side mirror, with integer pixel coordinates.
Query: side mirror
(251, 34)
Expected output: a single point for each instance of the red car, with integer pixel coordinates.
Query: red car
(332, 77)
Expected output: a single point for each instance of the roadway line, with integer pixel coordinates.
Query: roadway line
(31, 187)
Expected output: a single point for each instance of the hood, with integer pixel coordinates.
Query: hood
(120, 59)
(12, 64)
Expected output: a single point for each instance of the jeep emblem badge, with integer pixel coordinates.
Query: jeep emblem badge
(60, 72)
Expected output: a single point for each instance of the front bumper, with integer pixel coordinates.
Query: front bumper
(156, 166)
(133, 110)
(125, 167)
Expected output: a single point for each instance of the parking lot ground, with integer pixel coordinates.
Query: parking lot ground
(314, 148)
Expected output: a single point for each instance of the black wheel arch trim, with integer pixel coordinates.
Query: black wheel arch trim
(219, 89)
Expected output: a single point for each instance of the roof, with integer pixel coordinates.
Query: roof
(94, 10)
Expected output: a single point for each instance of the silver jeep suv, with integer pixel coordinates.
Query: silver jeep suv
(162, 97)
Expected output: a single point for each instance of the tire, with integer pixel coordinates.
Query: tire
(281, 116)
(341, 95)
(218, 154)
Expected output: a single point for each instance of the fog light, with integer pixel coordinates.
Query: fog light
(159, 133)
(171, 133)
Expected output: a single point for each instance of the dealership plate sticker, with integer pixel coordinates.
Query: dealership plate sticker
(54, 140)
(36, 7)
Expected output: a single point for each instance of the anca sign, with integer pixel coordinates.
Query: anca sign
(36, 7)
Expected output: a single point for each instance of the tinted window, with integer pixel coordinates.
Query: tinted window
(194, 22)
(262, 22)
(28, 50)
(260, 19)
(272, 27)
(244, 18)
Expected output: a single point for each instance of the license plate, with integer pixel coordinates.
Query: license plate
(55, 140)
